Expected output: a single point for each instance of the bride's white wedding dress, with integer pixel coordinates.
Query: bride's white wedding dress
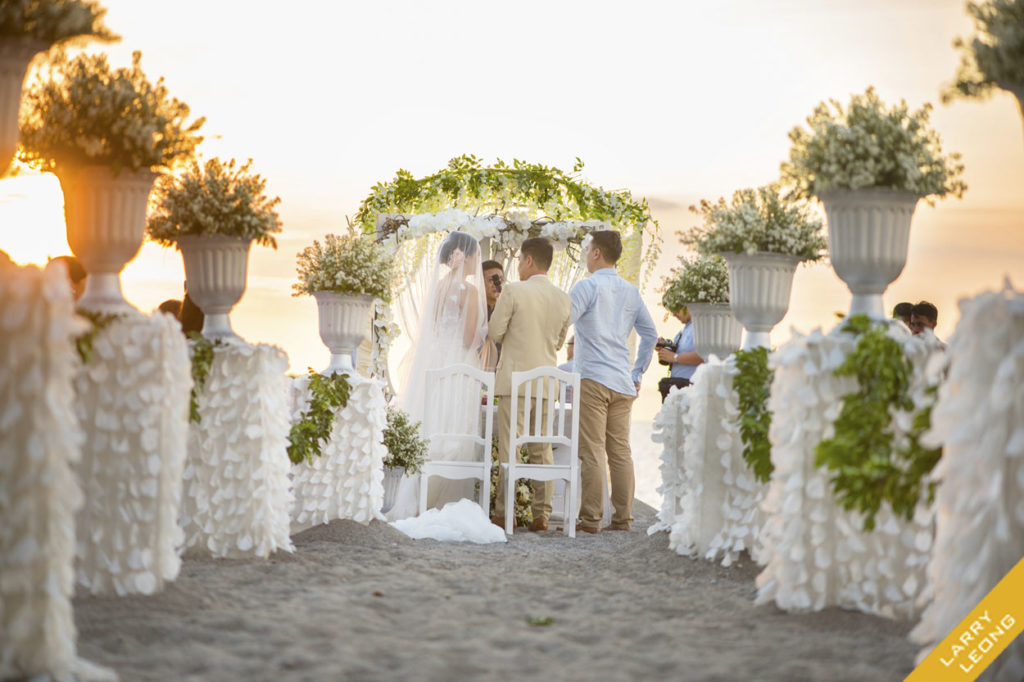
(447, 327)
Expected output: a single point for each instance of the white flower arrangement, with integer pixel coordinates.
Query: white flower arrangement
(701, 280)
(53, 21)
(214, 198)
(870, 145)
(87, 114)
(351, 264)
(758, 220)
(994, 55)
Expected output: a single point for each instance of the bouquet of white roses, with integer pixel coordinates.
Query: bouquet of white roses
(53, 21)
(870, 145)
(87, 114)
(213, 198)
(756, 221)
(352, 264)
(701, 280)
(994, 56)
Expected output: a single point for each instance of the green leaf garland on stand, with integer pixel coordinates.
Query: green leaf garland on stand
(868, 467)
(202, 361)
(98, 322)
(752, 384)
(311, 431)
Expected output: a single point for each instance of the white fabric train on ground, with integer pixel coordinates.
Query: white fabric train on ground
(237, 500)
(347, 480)
(39, 494)
(462, 521)
(132, 402)
(979, 418)
(816, 554)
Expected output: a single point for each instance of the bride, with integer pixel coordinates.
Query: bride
(448, 326)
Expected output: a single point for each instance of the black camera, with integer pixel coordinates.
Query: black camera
(496, 281)
(665, 343)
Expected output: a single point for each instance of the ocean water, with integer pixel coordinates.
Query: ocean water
(646, 462)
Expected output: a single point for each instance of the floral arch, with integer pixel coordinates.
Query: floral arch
(502, 205)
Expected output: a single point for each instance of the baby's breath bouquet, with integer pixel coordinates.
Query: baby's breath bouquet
(214, 198)
(351, 264)
(870, 145)
(701, 280)
(994, 56)
(53, 21)
(402, 439)
(758, 220)
(87, 114)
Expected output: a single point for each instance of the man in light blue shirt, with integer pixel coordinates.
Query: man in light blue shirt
(605, 309)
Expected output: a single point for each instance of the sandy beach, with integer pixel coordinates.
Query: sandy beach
(367, 603)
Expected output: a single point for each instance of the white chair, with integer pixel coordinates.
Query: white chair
(549, 416)
(448, 424)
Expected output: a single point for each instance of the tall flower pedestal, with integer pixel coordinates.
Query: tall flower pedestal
(716, 331)
(347, 480)
(39, 494)
(868, 234)
(106, 219)
(237, 502)
(711, 496)
(216, 268)
(131, 398)
(344, 321)
(15, 55)
(816, 554)
(979, 420)
(759, 288)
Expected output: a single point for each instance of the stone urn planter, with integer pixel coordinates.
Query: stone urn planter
(106, 220)
(216, 267)
(15, 55)
(344, 322)
(868, 233)
(392, 477)
(759, 288)
(716, 331)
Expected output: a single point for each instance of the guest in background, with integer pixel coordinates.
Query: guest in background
(191, 316)
(605, 310)
(494, 279)
(171, 306)
(680, 355)
(76, 275)
(902, 312)
(923, 315)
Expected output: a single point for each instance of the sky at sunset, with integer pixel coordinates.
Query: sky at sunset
(675, 101)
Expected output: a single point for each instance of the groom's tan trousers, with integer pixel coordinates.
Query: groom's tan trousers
(604, 441)
(540, 453)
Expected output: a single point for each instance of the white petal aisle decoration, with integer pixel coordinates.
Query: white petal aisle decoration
(668, 430)
(979, 417)
(347, 480)
(131, 398)
(237, 500)
(816, 554)
(39, 494)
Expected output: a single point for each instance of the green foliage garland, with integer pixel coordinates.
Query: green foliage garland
(202, 361)
(867, 467)
(545, 191)
(83, 342)
(402, 438)
(752, 384)
(327, 395)
(523, 497)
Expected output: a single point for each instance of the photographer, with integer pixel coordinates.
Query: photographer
(678, 354)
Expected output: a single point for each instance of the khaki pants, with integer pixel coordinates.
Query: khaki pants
(540, 453)
(604, 442)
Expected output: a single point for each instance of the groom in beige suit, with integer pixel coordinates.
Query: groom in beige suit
(530, 321)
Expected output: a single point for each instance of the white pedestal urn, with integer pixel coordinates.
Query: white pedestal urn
(106, 220)
(759, 288)
(392, 477)
(15, 55)
(868, 233)
(344, 320)
(216, 267)
(716, 331)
